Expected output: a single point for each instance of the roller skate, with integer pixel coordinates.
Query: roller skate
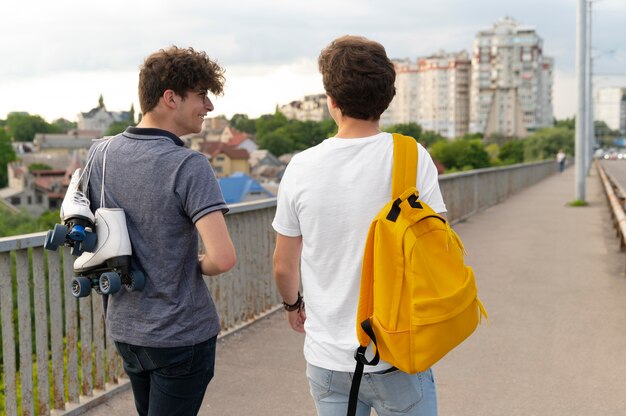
(108, 267)
(78, 230)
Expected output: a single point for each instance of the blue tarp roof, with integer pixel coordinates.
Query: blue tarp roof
(236, 187)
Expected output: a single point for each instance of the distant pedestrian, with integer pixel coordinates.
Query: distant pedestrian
(560, 159)
(327, 199)
(167, 333)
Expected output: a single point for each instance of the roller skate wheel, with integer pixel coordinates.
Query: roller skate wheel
(57, 238)
(81, 286)
(47, 244)
(137, 281)
(110, 282)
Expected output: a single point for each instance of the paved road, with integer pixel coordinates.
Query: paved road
(617, 169)
(553, 282)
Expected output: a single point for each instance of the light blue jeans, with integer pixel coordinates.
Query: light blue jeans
(389, 393)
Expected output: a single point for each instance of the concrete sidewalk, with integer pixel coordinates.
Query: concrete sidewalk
(552, 279)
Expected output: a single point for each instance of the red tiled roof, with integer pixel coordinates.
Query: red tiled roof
(238, 137)
(215, 148)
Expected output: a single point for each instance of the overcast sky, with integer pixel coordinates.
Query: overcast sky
(57, 57)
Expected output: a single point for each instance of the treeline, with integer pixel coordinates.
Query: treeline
(12, 223)
(280, 135)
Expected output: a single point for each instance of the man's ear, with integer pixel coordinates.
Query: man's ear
(170, 98)
(331, 101)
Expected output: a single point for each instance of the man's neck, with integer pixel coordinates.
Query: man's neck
(352, 128)
(151, 121)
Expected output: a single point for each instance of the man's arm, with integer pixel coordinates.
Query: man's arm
(287, 276)
(220, 254)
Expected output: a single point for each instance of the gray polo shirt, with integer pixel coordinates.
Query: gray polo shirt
(164, 188)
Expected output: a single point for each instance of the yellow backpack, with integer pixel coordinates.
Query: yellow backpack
(418, 299)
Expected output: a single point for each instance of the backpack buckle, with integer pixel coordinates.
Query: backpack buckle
(394, 212)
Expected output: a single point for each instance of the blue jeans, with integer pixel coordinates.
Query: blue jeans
(389, 393)
(169, 381)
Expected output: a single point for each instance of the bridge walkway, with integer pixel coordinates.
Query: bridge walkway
(552, 279)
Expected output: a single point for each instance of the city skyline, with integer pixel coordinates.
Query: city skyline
(59, 57)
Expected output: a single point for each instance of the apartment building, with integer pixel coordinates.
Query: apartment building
(432, 91)
(443, 88)
(404, 106)
(609, 105)
(510, 70)
(311, 108)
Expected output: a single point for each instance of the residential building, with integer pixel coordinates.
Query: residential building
(433, 92)
(39, 191)
(99, 119)
(404, 106)
(610, 106)
(509, 68)
(240, 140)
(240, 187)
(226, 159)
(443, 91)
(264, 164)
(65, 143)
(311, 108)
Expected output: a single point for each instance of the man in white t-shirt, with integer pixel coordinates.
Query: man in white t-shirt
(327, 199)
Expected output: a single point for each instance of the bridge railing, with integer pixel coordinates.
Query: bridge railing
(56, 356)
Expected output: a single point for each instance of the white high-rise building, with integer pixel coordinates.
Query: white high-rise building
(433, 92)
(444, 80)
(609, 105)
(403, 107)
(510, 70)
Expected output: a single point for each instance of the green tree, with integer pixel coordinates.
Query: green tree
(116, 127)
(267, 123)
(471, 136)
(23, 223)
(276, 142)
(568, 123)
(23, 126)
(408, 129)
(64, 125)
(545, 143)
(7, 155)
(38, 166)
(101, 101)
(460, 154)
(429, 137)
(512, 152)
(242, 123)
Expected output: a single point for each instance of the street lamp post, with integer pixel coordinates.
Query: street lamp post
(581, 52)
(589, 133)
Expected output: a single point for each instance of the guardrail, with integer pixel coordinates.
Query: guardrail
(65, 364)
(467, 193)
(616, 198)
(56, 331)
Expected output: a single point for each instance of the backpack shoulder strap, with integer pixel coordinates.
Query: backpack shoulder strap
(404, 164)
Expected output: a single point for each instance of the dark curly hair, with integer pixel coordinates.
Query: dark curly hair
(359, 76)
(180, 70)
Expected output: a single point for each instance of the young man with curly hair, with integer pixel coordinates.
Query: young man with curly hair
(166, 333)
(327, 199)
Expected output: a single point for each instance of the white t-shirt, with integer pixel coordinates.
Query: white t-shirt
(329, 195)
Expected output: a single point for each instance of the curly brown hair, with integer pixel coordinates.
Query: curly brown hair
(178, 69)
(359, 76)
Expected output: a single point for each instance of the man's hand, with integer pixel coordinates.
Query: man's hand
(296, 319)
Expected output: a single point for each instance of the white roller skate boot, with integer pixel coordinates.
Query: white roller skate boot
(78, 229)
(108, 267)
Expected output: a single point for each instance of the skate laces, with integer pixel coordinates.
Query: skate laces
(81, 199)
(85, 175)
